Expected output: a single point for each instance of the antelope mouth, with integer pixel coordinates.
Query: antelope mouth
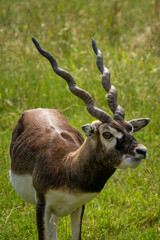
(137, 159)
(134, 159)
(130, 162)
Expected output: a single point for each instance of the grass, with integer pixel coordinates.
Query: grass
(127, 32)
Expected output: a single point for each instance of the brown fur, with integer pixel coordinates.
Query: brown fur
(55, 154)
(35, 136)
(44, 144)
(47, 147)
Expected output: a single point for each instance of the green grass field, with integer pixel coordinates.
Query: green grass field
(128, 34)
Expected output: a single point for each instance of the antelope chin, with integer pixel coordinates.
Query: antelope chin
(129, 162)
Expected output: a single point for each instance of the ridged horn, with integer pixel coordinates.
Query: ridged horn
(118, 111)
(82, 94)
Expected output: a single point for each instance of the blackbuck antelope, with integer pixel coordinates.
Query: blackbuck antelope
(53, 167)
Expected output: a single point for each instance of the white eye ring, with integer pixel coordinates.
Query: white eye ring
(107, 135)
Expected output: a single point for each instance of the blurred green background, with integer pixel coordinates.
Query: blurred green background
(128, 34)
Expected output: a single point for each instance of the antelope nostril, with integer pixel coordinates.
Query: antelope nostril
(142, 151)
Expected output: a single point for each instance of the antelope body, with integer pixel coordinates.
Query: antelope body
(53, 167)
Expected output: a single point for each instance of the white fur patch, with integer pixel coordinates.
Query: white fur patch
(129, 162)
(115, 133)
(63, 203)
(111, 142)
(23, 186)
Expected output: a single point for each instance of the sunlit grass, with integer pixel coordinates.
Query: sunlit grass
(127, 32)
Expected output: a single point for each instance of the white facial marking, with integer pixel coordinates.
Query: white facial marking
(108, 143)
(115, 133)
(111, 142)
(23, 186)
(129, 162)
(63, 203)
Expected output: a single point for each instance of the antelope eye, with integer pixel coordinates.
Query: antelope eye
(107, 135)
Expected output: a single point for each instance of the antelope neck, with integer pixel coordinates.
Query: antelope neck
(87, 173)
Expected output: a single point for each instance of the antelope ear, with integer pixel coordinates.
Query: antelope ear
(89, 130)
(140, 123)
